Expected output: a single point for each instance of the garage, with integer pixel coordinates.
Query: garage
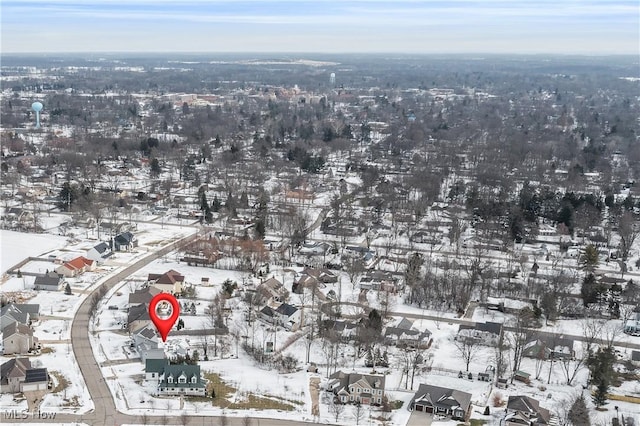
(424, 408)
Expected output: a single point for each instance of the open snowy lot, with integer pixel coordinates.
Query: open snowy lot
(17, 246)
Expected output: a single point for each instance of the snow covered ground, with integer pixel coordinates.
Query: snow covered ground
(17, 246)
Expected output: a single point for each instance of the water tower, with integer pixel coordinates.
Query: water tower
(37, 107)
(332, 78)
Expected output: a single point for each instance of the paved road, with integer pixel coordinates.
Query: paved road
(105, 412)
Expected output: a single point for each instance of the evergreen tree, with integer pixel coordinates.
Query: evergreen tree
(67, 289)
(579, 414)
(155, 167)
(590, 289)
(215, 204)
(244, 200)
(261, 216)
(600, 394)
(231, 205)
(589, 259)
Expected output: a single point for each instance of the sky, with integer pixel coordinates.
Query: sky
(589, 27)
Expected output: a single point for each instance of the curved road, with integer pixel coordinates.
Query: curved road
(105, 411)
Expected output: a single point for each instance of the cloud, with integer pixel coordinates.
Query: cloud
(360, 24)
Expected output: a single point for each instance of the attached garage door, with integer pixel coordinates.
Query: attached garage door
(419, 408)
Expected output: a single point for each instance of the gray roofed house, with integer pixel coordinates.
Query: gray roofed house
(22, 313)
(288, 315)
(143, 295)
(124, 241)
(546, 347)
(486, 333)
(18, 338)
(153, 368)
(33, 309)
(51, 281)
(444, 401)
(100, 252)
(181, 379)
(13, 373)
(365, 389)
(10, 314)
(138, 317)
(524, 410)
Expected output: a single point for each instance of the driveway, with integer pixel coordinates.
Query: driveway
(418, 418)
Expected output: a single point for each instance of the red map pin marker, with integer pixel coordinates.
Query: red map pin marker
(164, 324)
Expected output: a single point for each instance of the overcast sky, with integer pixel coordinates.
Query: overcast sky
(402, 26)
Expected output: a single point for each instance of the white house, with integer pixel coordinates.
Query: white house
(99, 253)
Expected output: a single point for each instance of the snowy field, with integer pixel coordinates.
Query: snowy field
(17, 246)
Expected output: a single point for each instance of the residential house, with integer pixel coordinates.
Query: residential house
(315, 249)
(169, 282)
(632, 326)
(404, 333)
(99, 253)
(16, 375)
(76, 267)
(143, 295)
(443, 401)
(23, 313)
(523, 410)
(272, 290)
(288, 316)
(353, 388)
(379, 280)
(124, 241)
(314, 278)
(178, 379)
(547, 347)
(138, 317)
(153, 368)
(345, 330)
(145, 341)
(267, 314)
(18, 338)
(51, 281)
(484, 333)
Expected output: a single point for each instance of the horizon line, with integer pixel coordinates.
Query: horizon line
(275, 52)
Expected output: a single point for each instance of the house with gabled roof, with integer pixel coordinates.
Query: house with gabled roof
(272, 290)
(547, 347)
(366, 389)
(22, 313)
(145, 340)
(444, 401)
(485, 333)
(51, 281)
(288, 316)
(144, 295)
(99, 253)
(174, 379)
(76, 267)
(18, 338)
(124, 241)
(17, 375)
(525, 411)
(169, 282)
(138, 317)
(404, 333)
